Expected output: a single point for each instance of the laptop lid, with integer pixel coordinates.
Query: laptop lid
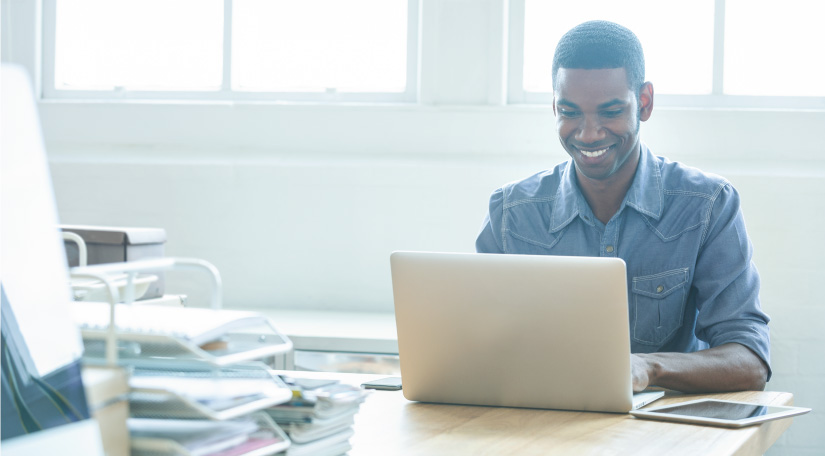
(513, 330)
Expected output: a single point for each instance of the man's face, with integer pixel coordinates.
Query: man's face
(597, 117)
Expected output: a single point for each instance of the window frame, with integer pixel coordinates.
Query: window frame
(716, 99)
(410, 95)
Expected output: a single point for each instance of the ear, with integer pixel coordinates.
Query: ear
(554, 106)
(645, 101)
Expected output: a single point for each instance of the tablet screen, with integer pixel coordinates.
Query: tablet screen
(721, 410)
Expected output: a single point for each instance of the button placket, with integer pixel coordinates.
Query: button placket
(610, 238)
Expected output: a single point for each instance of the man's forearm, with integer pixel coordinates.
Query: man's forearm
(729, 367)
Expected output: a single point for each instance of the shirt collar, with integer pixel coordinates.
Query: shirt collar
(645, 194)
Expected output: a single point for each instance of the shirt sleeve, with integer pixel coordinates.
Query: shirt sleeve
(726, 281)
(490, 238)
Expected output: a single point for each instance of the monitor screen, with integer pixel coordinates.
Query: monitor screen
(41, 346)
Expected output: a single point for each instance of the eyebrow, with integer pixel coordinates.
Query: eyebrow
(611, 103)
(608, 104)
(565, 102)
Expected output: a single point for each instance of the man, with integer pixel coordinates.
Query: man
(695, 320)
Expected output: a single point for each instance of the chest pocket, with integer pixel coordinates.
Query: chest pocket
(659, 306)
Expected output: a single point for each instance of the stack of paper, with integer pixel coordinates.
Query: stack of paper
(194, 388)
(319, 418)
(254, 434)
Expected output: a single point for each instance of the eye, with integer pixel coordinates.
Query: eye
(569, 113)
(612, 113)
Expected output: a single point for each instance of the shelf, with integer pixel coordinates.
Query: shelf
(198, 391)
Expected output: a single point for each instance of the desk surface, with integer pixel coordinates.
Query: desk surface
(389, 424)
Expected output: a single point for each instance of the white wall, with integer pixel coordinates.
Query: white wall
(313, 229)
(300, 205)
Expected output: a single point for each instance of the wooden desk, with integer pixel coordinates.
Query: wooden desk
(388, 424)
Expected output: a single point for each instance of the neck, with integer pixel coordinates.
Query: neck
(605, 196)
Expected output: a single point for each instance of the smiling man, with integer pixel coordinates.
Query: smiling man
(693, 292)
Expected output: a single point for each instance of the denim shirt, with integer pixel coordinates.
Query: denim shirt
(690, 279)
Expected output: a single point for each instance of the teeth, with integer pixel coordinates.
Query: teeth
(595, 153)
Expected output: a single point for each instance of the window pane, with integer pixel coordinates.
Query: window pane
(139, 44)
(774, 49)
(677, 38)
(319, 45)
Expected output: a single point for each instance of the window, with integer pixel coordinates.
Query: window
(312, 50)
(783, 58)
(678, 53)
(700, 53)
(351, 47)
(106, 45)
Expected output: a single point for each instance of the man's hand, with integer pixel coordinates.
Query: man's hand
(729, 367)
(639, 368)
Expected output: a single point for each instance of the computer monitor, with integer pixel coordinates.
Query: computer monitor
(41, 346)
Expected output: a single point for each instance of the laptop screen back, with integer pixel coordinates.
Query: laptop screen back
(513, 330)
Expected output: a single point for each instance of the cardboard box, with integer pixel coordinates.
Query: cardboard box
(119, 244)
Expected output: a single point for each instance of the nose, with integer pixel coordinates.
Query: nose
(590, 130)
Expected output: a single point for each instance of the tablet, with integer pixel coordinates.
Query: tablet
(387, 384)
(717, 412)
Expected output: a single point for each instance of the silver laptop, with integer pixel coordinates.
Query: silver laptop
(533, 331)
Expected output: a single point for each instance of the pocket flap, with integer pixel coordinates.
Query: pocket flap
(662, 284)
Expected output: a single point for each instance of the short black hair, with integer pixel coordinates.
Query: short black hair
(601, 44)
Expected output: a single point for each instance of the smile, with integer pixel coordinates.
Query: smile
(594, 153)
